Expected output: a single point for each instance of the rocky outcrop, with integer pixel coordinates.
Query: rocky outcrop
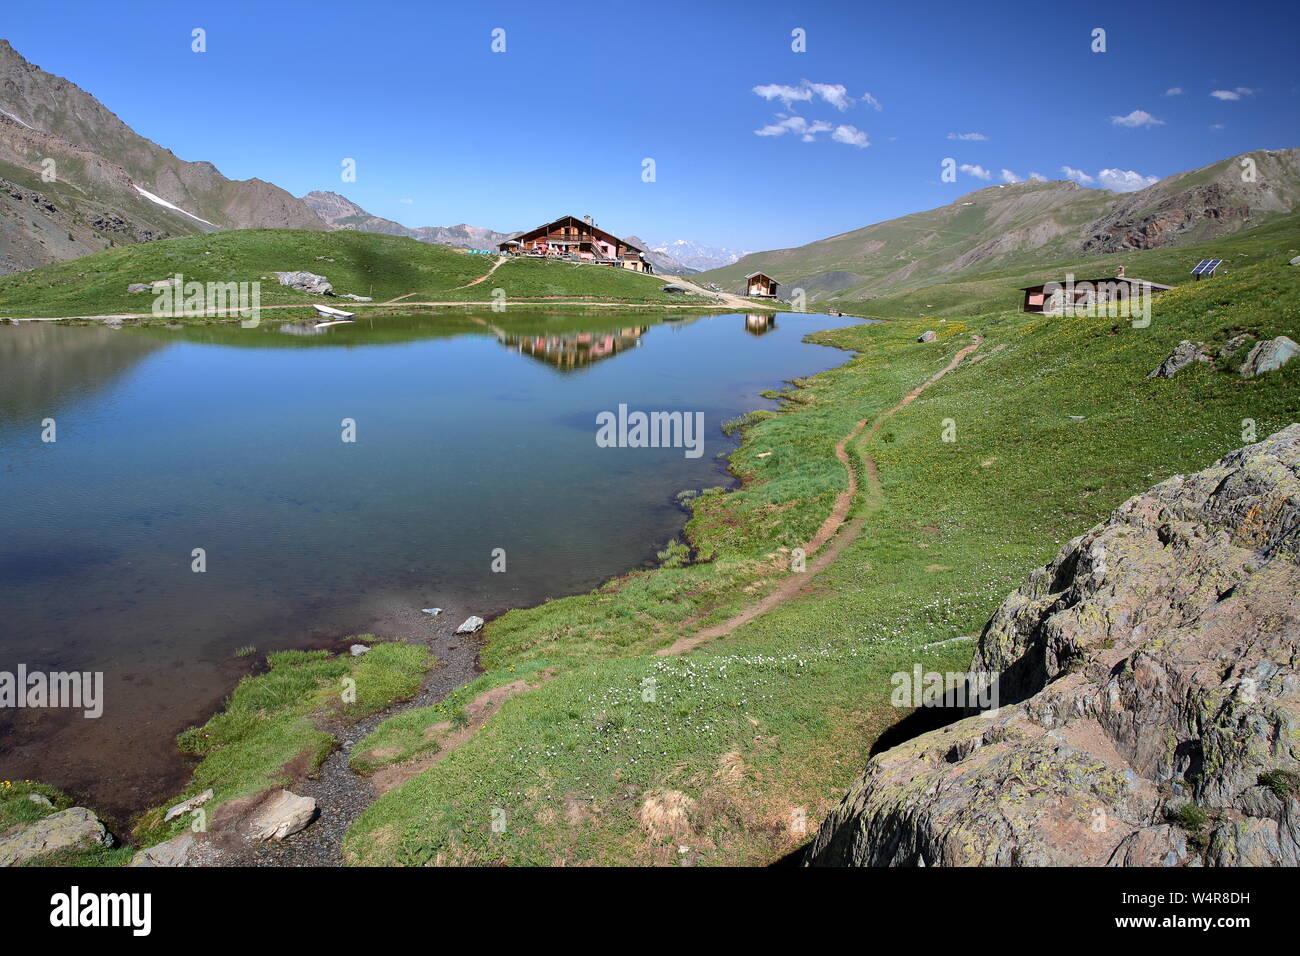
(306, 282)
(1269, 356)
(1149, 698)
(1198, 205)
(175, 852)
(75, 828)
(1183, 355)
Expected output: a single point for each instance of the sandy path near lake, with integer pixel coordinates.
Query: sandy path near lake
(836, 529)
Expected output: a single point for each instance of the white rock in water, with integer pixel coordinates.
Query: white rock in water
(359, 649)
(431, 611)
(471, 625)
(188, 805)
(282, 815)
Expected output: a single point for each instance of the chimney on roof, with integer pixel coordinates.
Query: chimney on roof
(587, 220)
(1119, 273)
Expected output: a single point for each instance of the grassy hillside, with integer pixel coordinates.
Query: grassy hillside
(1021, 226)
(1000, 289)
(383, 267)
(742, 739)
(926, 245)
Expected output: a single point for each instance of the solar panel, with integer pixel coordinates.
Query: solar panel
(1206, 267)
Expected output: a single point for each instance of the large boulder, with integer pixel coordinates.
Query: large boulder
(281, 815)
(75, 828)
(306, 282)
(1269, 356)
(1183, 355)
(1149, 692)
(175, 852)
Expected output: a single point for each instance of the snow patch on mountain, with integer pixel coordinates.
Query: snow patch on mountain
(163, 202)
(696, 255)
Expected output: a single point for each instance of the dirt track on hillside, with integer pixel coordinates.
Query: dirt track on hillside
(836, 529)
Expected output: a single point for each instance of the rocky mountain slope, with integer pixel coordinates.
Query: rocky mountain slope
(339, 212)
(1149, 698)
(1021, 224)
(75, 179)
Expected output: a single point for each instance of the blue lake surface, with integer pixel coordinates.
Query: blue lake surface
(474, 432)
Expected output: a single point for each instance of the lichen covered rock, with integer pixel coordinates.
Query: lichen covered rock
(1149, 698)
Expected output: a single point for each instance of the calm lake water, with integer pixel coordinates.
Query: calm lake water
(473, 432)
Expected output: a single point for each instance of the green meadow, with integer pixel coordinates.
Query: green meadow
(733, 753)
(366, 264)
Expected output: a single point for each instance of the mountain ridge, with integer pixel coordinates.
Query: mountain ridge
(75, 178)
(1026, 223)
(339, 212)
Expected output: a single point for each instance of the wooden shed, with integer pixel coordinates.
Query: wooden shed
(1062, 295)
(760, 285)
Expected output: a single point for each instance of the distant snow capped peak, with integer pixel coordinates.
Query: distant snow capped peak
(696, 255)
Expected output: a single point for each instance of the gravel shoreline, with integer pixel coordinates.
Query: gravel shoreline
(340, 794)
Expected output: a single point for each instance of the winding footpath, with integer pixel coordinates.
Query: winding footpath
(836, 529)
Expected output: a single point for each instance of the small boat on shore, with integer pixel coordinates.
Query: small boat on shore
(332, 316)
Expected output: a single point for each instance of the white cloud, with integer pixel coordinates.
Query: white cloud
(1037, 178)
(850, 135)
(406, 202)
(979, 172)
(785, 124)
(1174, 91)
(1078, 175)
(1009, 177)
(835, 94)
(786, 94)
(805, 130)
(872, 102)
(1124, 180)
(976, 137)
(819, 126)
(1236, 94)
(1216, 126)
(1137, 118)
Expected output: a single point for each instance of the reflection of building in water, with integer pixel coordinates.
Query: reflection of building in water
(574, 350)
(759, 324)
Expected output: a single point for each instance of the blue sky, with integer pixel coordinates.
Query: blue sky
(443, 130)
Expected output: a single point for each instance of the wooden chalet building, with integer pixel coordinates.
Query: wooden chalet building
(578, 240)
(1052, 298)
(760, 285)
